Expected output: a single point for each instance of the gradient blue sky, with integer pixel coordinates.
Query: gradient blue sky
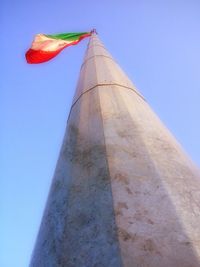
(157, 43)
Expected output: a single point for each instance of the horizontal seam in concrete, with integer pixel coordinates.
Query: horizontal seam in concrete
(92, 45)
(95, 56)
(103, 84)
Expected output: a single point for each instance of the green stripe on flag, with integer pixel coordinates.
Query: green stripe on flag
(67, 36)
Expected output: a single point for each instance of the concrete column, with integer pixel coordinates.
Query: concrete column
(124, 193)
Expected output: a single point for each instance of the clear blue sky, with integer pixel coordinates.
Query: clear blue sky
(157, 43)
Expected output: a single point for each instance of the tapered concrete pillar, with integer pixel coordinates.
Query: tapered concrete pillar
(124, 193)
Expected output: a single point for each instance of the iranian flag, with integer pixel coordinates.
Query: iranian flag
(45, 47)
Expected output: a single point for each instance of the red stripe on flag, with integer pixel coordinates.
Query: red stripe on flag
(39, 56)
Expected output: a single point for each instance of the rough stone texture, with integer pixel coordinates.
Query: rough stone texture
(124, 193)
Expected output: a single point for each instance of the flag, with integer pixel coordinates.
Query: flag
(46, 47)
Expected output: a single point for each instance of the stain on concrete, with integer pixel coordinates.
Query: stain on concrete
(126, 236)
(150, 221)
(120, 207)
(149, 246)
(123, 178)
(129, 191)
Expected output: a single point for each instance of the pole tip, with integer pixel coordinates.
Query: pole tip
(93, 31)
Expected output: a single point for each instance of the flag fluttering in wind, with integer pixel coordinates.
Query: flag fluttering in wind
(46, 47)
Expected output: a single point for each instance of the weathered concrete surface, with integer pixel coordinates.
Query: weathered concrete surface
(124, 193)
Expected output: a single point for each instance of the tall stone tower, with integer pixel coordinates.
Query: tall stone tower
(124, 194)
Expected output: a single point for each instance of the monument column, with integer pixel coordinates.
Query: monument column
(123, 193)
